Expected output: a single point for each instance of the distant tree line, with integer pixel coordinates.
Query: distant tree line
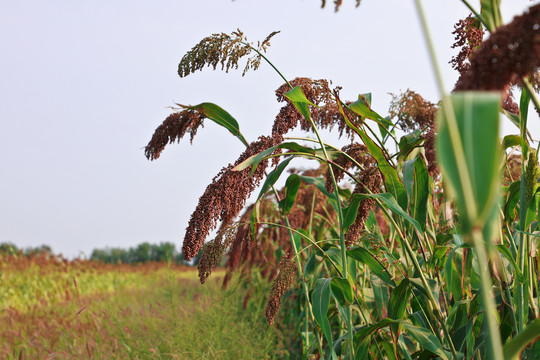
(142, 253)
(10, 248)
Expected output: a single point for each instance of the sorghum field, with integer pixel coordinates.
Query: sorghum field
(416, 237)
(58, 309)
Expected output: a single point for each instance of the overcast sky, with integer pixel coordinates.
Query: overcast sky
(83, 85)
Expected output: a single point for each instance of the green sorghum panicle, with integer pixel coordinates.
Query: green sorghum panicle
(532, 172)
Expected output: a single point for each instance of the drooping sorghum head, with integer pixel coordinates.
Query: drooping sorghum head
(173, 129)
(225, 197)
(370, 178)
(468, 36)
(282, 283)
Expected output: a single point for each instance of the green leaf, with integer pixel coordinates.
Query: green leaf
(320, 183)
(363, 108)
(390, 202)
(511, 140)
(391, 178)
(513, 349)
(342, 290)
(474, 179)
(320, 300)
(254, 160)
(508, 255)
(420, 193)
(409, 142)
(300, 101)
(491, 12)
(399, 299)
(425, 339)
(381, 294)
(309, 267)
(363, 256)
(350, 212)
(512, 200)
(291, 188)
(220, 117)
(273, 177)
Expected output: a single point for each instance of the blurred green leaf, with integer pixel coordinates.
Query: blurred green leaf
(320, 300)
(510, 141)
(513, 349)
(342, 290)
(397, 305)
(291, 188)
(491, 12)
(477, 116)
(363, 256)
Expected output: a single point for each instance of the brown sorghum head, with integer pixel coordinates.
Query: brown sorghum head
(241, 245)
(325, 116)
(512, 169)
(356, 151)
(173, 129)
(225, 197)
(508, 102)
(370, 178)
(429, 151)
(214, 251)
(282, 283)
(412, 111)
(468, 36)
(510, 53)
(222, 49)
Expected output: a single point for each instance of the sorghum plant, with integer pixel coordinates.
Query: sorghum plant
(422, 253)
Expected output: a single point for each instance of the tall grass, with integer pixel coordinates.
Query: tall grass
(152, 311)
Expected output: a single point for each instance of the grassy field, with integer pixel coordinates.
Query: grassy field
(54, 309)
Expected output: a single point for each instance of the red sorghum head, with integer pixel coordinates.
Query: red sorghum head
(173, 129)
(225, 197)
(510, 53)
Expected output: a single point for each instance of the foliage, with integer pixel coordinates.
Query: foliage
(428, 256)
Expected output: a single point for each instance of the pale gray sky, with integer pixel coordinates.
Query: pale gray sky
(83, 85)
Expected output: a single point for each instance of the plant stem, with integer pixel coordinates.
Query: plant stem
(527, 86)
(494, 339)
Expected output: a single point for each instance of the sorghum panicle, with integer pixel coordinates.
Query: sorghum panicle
(356, 151)
(225, 197)
(282, 283)
(509, 54)
(173, 129)
(370, 178)
(222, 49)
(325, 116)
(214, 251)
(468, 35)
